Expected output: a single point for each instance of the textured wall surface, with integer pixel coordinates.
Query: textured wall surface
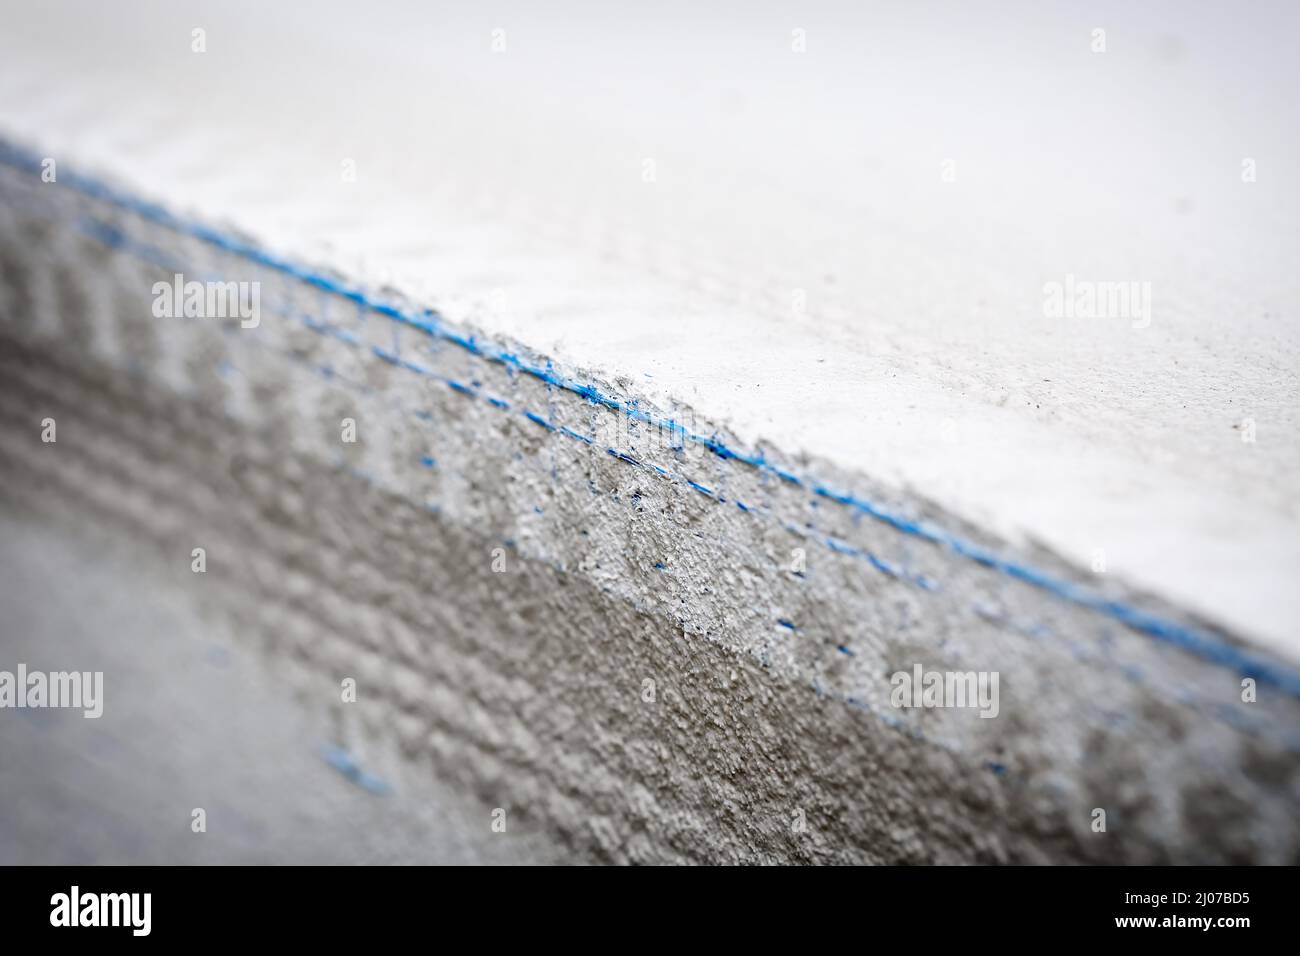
(841, 252)
(703, 376)
(642, 648)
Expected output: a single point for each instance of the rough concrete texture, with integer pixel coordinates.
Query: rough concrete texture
(841, 251)
(196, 719)
(565, 614)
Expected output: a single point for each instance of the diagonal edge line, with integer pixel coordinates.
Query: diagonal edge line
(1205, 645)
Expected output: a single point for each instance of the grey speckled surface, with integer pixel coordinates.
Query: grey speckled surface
(525, 689)
(830, 256)
(192, 718)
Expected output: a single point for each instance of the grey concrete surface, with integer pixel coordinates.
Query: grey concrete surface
(589, 644)
(193, 718)
(639, 648)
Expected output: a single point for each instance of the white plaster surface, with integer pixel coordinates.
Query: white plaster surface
(798, 271)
